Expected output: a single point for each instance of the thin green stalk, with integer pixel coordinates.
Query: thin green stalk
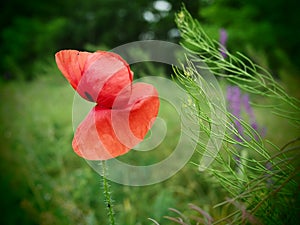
(292, 175)
(107, 196)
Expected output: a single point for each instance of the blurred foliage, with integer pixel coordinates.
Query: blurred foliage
(267, 31)
(34, 30)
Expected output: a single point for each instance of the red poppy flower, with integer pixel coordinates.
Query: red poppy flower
(124, 111)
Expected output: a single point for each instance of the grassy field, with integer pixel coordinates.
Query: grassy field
(44, 182)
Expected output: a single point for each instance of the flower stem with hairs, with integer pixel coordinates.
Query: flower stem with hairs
(107, 195)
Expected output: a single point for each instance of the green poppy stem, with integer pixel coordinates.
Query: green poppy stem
(107, 195)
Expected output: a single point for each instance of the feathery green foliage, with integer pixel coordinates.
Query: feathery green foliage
(237, 69)
(259, 177)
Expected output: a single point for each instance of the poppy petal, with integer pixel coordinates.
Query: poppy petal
(135, 120)
(71, 63)
(108, 133)
(97, 77)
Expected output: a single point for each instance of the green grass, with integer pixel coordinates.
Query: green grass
(44, 182)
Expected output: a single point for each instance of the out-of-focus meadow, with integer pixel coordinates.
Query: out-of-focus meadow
(42, 180)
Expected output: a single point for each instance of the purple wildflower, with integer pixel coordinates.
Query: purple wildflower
(223, 40)
(249, 111)
(252, 120)
(234, 100)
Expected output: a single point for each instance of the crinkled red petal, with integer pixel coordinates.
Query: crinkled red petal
(71, 63)
(108, 133)
(97, 77)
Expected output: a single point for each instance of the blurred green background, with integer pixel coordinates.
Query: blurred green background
(42, 180)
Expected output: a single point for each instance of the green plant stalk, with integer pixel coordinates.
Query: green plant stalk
(251, 78)
(251, 187)
(107, 196)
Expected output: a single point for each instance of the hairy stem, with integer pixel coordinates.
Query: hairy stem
(107, 196)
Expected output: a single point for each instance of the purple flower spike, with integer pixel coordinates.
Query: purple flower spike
(249, 111)
(223, 40)
(234, 100)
